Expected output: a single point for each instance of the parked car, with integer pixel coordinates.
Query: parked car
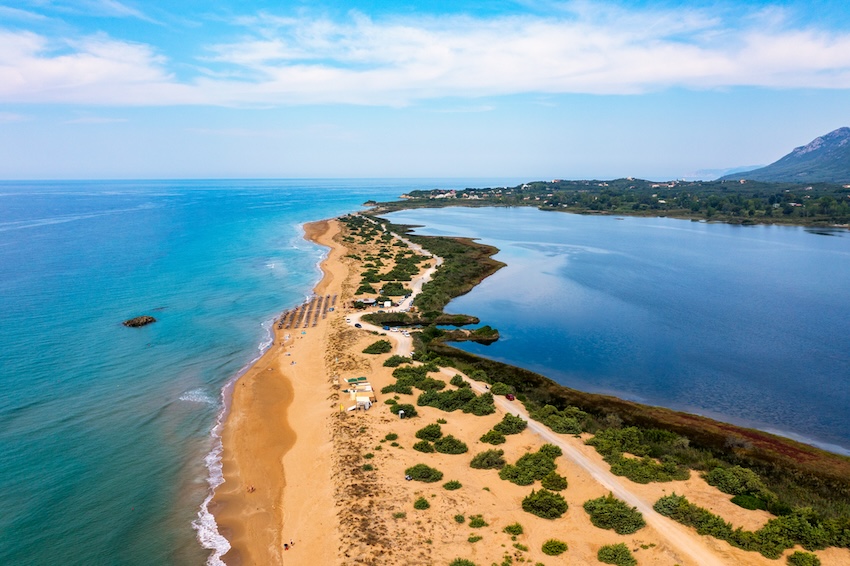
(510, 397)
(358, 325)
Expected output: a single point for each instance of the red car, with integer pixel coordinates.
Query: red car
(510, 397)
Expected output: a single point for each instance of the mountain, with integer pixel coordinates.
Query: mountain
(825, 160)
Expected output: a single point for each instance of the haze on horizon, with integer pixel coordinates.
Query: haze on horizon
(527, 89)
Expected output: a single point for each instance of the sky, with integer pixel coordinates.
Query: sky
(529, 89)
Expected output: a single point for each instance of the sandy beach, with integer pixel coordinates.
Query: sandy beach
(298, 469)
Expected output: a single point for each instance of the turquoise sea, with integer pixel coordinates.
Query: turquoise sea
(747, 324)
(106, 432)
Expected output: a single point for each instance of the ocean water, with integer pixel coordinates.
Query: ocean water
(747, 324)
(106, 448)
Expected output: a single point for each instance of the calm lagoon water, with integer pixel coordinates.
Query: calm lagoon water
(105, 431)
(748, 324)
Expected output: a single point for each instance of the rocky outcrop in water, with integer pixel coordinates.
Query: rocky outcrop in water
(139, 321)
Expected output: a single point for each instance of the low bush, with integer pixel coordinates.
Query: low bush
(460, 519)
(423, 473)
(452, 485)
(431, 432)
(617, 554)
(379, 347)
(458, 381)
(477, 521)
(474, 538)
(397, 388)
(510, 424)
(567, 421)
(553, 481)
(391, 436)
(390, 402)
(461, 562)
(500, 388)
(610, 513)
(395, 361)
(531, 467)
(750, 502)
(424, 446)
(545, 504)
(464, 399)
(488, 460)
(514, 529)
(409, 410)
(803, 559)
(450, 445)
(493, 437)
(421, 504)
(554, 547)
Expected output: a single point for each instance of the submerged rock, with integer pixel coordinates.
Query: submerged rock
(139, 321)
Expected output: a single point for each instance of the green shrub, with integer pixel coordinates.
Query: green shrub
(488, 460)
(450, 445)
(610, 513)
(421, 504)
(618, 554)
(391, 436)
(390, 402)
(477, 521)
(514, 529)
(553, 481)
(511, 424)
(545, 504)
(461, 562)
(395, 361)
(441, 421)
(803, 559)
(500, 388)
(567, 421)
(493, 437)
(368, 467)
(424, 446)
(452, 485)
(459, 518)
(474, 538)
(531, 467)
(458, 381)
(554, 547)
(399, 515)
(423, 473)
(379, 347)
(750, 502)
(409, 410)
(464, 399)
(430, 432)
(397, 388)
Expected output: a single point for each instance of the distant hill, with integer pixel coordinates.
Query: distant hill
(825, 160)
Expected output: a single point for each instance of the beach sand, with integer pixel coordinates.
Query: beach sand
(309, 484)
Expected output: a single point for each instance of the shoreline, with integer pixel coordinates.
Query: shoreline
(251, 507)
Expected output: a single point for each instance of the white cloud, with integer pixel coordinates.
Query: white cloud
(584, 48)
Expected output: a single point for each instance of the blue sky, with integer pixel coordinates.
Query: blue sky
(529, 89)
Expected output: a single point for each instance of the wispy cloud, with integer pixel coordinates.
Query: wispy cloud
(582, 48)
(10, 117)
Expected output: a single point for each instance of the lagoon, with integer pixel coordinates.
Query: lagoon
(746, 324)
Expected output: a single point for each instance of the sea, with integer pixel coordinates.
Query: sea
(109, 435)
(745, 324)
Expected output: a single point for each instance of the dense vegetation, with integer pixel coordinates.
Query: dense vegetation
(379, 347)
(554, 547)
(728, 201)
(464, 399)
(617, 554)
(489, 460)
(610, 513)
(545, 504)
(532, 466)
(801, 527)
(423, 473)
